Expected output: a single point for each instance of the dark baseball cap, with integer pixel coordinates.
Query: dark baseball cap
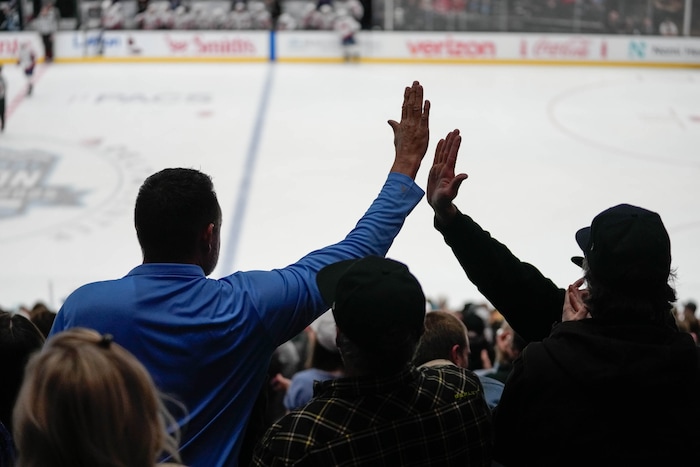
(626, 245)
(372, 298)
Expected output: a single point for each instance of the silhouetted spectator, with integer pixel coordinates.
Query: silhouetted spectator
(385, 411)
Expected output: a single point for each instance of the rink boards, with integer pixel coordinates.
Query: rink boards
(373, 46)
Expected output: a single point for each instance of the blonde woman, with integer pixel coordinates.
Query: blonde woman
(85, 400)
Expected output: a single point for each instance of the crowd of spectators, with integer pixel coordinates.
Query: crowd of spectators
(562, 16)
(223, 15)
(629, 17)
(307, 358)
(662, 17)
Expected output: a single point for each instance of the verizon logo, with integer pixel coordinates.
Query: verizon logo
(452, 48)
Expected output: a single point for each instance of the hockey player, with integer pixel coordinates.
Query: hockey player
(46, 23)
(347, 26)
(3, 93)
(27, 61)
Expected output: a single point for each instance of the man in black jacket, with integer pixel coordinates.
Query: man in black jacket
(613, 381)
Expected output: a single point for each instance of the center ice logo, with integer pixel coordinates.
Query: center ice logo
(24, 181)
(63, 191)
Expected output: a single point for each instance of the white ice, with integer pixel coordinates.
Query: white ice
(299, 151)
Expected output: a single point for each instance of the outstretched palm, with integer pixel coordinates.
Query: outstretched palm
(443, 184)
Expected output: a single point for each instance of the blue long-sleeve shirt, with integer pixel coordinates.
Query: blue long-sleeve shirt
(208, 342)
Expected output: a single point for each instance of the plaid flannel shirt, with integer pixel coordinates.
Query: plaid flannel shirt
(433, 416)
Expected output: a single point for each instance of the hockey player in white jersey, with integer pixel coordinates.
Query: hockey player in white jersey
(27, 62)
(347, 26)
(3, 93)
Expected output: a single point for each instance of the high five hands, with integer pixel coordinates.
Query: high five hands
(411, 137)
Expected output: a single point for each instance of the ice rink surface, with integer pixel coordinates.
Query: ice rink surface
(299, 151)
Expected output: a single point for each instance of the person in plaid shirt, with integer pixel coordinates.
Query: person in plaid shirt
(385, 411)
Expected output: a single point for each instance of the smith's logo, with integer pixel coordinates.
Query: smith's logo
(24, 179)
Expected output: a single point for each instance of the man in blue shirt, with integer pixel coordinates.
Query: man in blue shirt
(207, 342)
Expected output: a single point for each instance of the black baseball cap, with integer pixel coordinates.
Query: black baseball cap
(626, 245)
(371, 298)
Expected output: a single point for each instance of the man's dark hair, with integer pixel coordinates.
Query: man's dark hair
(172, 207)
(651, 304)
(385, 358)
(325, 359)
(43, 319)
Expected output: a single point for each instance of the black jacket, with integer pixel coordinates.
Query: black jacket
(597, 393)
(592, 392)
(530, 302)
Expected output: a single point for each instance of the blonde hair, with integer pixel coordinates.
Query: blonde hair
(86, 400)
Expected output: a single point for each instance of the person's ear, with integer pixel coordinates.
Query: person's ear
(457, 356)
(207, 238)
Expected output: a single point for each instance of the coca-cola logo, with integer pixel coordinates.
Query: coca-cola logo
(571, 48)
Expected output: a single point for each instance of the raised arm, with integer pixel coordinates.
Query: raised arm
(411, 134)
(373, 234)
(529, 301)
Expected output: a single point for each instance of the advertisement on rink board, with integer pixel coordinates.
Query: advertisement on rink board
(446, 47)
(157, 45)
(10, 44)
(374, 47)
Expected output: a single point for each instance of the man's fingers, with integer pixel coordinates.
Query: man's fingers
(439, 157)
(457, 182)
(453, 143)
(574, 298)
(415, 106)
(419, 91)
(418, 97)
(406, 99)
